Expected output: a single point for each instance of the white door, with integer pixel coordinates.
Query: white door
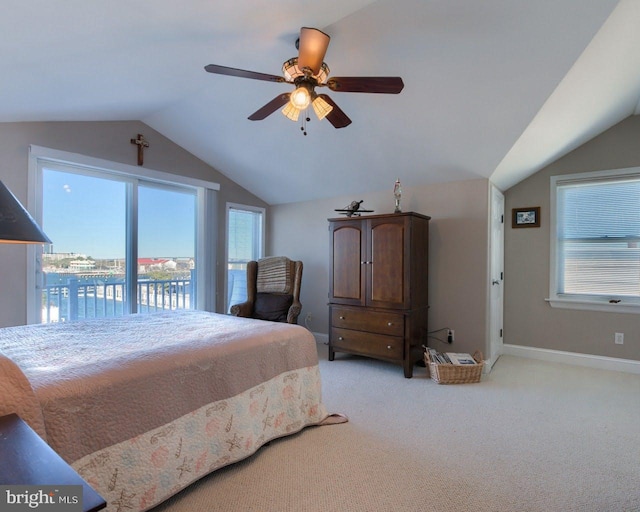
(496, 303)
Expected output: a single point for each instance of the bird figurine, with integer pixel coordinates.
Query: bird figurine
(353, 209)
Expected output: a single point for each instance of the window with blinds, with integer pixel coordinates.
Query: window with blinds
(597, 242)
(245, 242)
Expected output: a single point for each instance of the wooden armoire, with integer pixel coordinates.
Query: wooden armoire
(378, 287)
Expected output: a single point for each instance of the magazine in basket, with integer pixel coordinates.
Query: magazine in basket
(453, 367)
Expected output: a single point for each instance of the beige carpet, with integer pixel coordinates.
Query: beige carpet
(532, 436)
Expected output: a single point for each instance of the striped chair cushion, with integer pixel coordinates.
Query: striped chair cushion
(274, 275)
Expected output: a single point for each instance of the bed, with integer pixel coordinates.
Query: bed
(143, 405)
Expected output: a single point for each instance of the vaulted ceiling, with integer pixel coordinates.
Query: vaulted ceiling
(493, 88)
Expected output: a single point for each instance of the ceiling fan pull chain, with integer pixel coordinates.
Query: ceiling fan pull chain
(305, 120)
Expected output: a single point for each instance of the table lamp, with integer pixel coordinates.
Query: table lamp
(16, 224)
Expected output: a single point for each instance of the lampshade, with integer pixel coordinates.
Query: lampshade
(321, 107)
(16, 225)
(291, 112)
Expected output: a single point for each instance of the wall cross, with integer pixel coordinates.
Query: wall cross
(142, 143)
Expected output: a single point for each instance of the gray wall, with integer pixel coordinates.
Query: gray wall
(109, 141)
(458, 253)
(458, 240)
(529, 320)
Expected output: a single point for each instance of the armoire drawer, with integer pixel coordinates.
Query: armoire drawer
(366, 343)
(360, 319)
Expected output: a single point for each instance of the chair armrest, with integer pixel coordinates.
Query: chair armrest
(294, 311)
(244, 309)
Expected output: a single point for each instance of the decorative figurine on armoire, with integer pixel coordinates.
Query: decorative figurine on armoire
(397, 192)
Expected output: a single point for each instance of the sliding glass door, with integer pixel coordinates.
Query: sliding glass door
(84, 269)
(121, 245)
(166, 247)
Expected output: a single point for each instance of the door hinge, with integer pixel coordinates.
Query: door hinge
(501, 219)
(501, 276)
(501, 333)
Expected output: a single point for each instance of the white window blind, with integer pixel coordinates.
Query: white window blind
(598, 239)
(245, 242)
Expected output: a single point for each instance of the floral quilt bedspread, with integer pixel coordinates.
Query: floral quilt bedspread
(142, 406)
(139, 473)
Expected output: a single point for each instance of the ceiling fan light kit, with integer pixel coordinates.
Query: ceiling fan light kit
(321, 107)
(300, 98)
(306, 72)
(290, 111)
(292, 70)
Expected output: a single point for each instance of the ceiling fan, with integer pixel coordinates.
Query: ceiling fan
(306, 72)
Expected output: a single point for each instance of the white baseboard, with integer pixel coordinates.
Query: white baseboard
(554, 356)
(575, 358)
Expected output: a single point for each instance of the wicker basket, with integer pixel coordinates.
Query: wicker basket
(455, 373)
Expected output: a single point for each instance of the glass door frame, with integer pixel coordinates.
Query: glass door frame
(40, 157)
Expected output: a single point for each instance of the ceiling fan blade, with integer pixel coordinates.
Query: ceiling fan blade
(375, 84)
(336, 117)
(312, 47)
(270, 108)
(223, 70)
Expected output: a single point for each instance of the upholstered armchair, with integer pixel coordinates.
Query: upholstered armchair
(273, 290)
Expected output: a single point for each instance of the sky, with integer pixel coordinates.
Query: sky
(87, 215)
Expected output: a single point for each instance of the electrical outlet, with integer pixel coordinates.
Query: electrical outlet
(619, 338)
(308, 318)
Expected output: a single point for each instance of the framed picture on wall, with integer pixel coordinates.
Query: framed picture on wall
(525, 217)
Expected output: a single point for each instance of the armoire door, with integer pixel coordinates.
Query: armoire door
(347, 272)
(387, 269)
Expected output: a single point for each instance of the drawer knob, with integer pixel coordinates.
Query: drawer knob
(388, 347)
(389, 324)
(340, 338)
(341, 318)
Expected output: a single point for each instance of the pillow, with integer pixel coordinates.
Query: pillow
(272, 306)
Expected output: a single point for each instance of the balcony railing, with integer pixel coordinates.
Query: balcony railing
(76, 300)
